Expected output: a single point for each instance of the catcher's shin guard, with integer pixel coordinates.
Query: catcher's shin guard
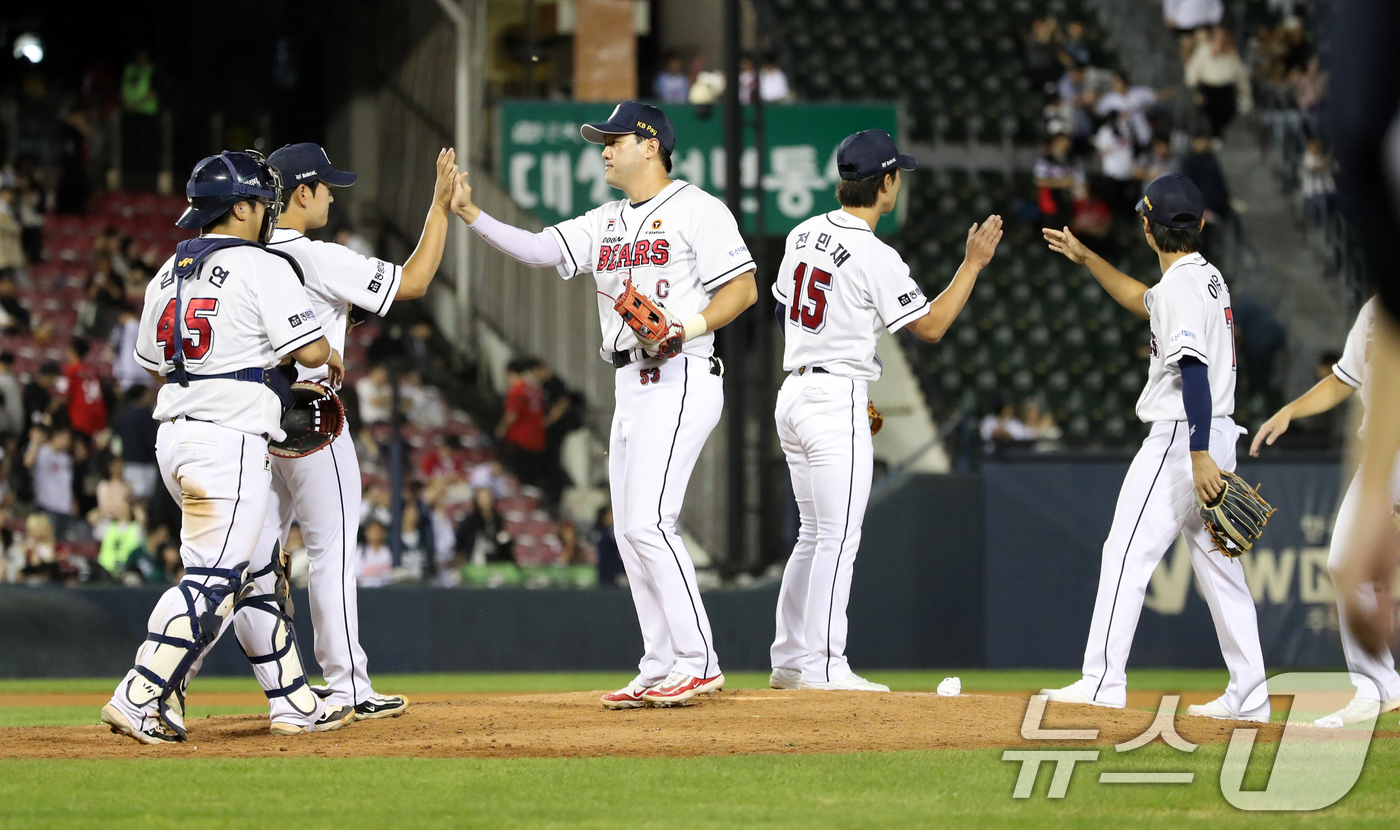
(162, 670)
(280, 671)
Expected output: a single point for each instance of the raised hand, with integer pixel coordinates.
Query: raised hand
(982, 241)
(462, 200)
(1065, 242)
(446, 184)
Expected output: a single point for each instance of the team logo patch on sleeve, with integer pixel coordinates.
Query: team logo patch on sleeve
(307, 316)
(911, 297)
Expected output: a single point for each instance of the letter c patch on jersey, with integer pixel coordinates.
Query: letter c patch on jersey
(663, 289)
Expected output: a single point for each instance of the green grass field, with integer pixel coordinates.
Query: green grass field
(951, 788)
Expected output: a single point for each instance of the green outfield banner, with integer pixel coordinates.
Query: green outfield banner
(551, 171)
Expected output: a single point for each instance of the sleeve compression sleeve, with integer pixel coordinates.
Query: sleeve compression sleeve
(538, 250)
(1195, 394)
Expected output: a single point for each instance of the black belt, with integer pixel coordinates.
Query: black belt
(816, 370)
(622, 359)
(188, 418)
(250, 375)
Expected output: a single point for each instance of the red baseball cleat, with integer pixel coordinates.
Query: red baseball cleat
(628, 697)
(679, 687)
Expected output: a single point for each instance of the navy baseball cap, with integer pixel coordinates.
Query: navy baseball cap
(1174, 201)
(306, 163)
(633, 118)
(870, 153)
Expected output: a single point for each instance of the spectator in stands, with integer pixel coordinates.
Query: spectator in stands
(441, 463)
(1078, 98)
(376, 396)
(12, 422)
(521, 430)
(672, 85)
(30, 203)
(374, 505)
(33, 555)
(414, 539)
(1188, 16)
(610, 569)
(122, 345)
(11, 248)
(140, 127)
(422, 405)
(136, 430)
(81, 390)
(1220, 79)
(562, 415)
(40, 402)
(1040, 424)
(1135, 101)
(376, 565)
(1057, 176)
(144, 566)
(172, 564)
(1114, 143)
(490, 475)
(354, 240)
(88, 462)
(1316, 185)
(1042, 64)
(447, 565)
(748, 80)
(1073, 45)
(772, 82)
(50, 462)
(14, 317)
(571, 551)
(105, 300)
(73, 189)
(1202, 167)
(121, 540)
(1260, 337)
(1159, 161)
(1001, 425)
(482, 535)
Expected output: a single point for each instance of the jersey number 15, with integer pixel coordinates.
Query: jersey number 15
(809, 311)
(197, 314)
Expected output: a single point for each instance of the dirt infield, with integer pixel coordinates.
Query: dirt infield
(574, 725)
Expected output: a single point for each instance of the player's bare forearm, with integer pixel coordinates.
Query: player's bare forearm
(730, 301)
(313, 355)
(422, 266)
(1127, 291)
(1382, 442)
(1325, 395)
(946, 307)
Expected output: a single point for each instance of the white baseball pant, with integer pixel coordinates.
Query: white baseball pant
(825, 434)
(664, 412)
(1382, 669)
(1156, 504)
(222, 478)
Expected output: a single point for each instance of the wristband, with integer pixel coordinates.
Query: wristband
(695, 326)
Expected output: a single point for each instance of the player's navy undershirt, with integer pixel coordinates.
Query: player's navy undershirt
(1195, 394)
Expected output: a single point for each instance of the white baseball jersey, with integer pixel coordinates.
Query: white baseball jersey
(678, 247)
(1190, 315)
(841, 285)
(1354, 369)
(337, 278)
(245, 309)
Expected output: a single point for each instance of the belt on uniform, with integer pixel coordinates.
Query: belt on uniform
(203, 421)
(621, 359)
(816, 370)
(250, 375)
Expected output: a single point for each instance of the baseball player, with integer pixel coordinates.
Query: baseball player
(838, 286)
(681, 248)
(218, 317)
(1351, 373)
(321, 491)
(1187, 403)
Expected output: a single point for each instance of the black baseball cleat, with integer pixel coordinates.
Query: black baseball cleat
(381, 706)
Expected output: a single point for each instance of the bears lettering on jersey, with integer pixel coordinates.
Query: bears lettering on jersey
(644, 252)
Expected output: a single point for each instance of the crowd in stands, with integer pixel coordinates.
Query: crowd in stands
(674, 84)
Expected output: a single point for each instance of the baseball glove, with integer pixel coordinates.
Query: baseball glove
(660, 332)
(876, 419)
(1235, 519)
(313, 422)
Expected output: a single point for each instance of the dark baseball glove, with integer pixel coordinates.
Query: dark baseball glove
(1235, 519)
(660, 332)
(312, 423)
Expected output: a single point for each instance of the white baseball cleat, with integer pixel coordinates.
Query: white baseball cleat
(678, 688)
(851, 682)
(628, 697)
(335, 717)
(121, 725)
(1360, 709)
(785, 679)
(1073, 694)
(1217, 709)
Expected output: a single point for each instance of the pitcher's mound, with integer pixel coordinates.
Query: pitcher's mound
(743, 721)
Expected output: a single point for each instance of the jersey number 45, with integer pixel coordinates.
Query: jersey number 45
(809, 311)
(197, 314)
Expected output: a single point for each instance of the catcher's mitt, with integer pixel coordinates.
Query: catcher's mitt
(657, 328)
(876, 419)
(313, 422)
(1236, 517)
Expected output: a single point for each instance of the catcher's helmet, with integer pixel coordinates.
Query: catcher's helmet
(220, 182)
